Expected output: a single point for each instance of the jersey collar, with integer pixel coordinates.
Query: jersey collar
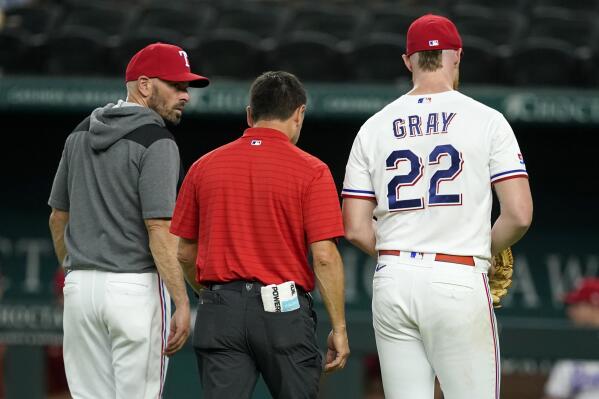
(265, 132)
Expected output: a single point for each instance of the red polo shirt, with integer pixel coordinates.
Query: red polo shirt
(255, 205)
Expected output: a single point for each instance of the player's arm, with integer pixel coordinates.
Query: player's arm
(359, 225)
(186, 255)
(515, 215)
(58, 223)
(328, 268)
(163, 246)
(59, 202)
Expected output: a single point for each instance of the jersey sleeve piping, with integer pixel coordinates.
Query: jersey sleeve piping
(508, 174)
(348, 192)
(510, 177)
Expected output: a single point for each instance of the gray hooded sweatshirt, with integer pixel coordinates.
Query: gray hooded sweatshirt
(118, 167)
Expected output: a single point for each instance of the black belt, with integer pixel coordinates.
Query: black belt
(240, 285)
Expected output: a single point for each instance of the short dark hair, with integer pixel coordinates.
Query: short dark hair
(276, 95)
(430, 61)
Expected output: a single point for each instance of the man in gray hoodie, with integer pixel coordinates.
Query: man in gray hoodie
(112, 200)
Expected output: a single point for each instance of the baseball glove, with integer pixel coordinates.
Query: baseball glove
(501, 279)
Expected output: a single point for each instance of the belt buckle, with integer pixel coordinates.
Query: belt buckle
(248, 286)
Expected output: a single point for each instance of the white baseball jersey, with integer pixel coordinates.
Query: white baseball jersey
(429, 162)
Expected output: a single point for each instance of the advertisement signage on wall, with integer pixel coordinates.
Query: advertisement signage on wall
(547, 266)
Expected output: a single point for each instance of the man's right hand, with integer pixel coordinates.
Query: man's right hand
(179, 331)
(338, 351)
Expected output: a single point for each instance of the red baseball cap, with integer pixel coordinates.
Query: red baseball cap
(432, 32)
(166, 62)
(587, 291)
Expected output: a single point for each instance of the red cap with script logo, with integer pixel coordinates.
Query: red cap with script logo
(587, 291)
(166, 62)
(432, 32)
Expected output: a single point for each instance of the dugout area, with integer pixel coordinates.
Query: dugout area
(556, 137)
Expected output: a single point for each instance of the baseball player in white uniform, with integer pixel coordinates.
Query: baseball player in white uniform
(417, 193)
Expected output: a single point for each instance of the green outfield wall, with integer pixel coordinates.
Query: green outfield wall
(531, 105)
(532, 323)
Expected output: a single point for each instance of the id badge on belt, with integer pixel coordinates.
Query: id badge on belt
(280, 297)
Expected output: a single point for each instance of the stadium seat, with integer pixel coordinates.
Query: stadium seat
(429, 4)
(378, 59)
(131, 44)
(513, 5)
(12, 48)
(31, 20)
(481, 62)
(339, 22)
(591, 67)
(573, 5)
(189, 22)
(230, 54)
(547, 62)
(212, 4)
(311, 56)
(106, 20)
(497, 26)
(392, 20)
(257, 19)
(79, 52)
(577, 28)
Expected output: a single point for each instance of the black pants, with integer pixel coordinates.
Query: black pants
(235, 340)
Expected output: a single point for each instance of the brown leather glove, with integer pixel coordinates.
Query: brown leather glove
(500, 279)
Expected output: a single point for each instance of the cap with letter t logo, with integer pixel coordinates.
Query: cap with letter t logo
(166, 62)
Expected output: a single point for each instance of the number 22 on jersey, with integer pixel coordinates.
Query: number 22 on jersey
(415, 174)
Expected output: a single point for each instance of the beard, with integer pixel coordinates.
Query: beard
(158, 104)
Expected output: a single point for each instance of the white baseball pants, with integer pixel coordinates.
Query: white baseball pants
(115, 329)
(434, 318)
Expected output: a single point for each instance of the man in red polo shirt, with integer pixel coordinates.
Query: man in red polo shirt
(246, 215)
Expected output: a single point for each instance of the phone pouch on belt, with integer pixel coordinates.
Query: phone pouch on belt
(280, 297)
